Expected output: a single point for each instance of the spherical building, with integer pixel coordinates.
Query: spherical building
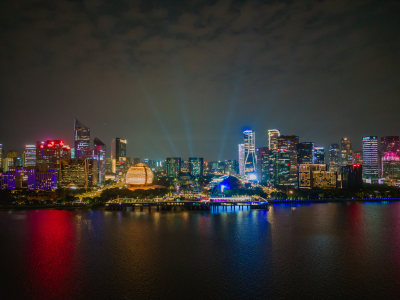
(139, 175)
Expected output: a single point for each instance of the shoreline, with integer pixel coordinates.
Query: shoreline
(271, 202)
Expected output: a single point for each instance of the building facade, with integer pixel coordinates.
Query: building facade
(305, 153)
(319, 155)
(118, 154)
(81, 139)
(370, 158)
(196, 167)
(250, 160)
(29, 156)
(273, 135)
(173, 167)
(346, 152)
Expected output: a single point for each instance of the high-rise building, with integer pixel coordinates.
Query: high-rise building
(82, 140)
(250, 160)
(391, 168)
(173, 166)
(99, 165)
(370, 158)
(346, 152)
(305, 152)
(390, 144)
(289, 142)
(118, 154)
(241, 159)
(319, 155)
(273, 135)
(262, 154)
(77, 173)
(50, 153)
(196, 166)
(351, 176)
(334, 157)
(281, 168)
(29, 156)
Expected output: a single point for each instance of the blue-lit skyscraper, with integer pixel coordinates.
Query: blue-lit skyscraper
(250, 160)
(319, 155)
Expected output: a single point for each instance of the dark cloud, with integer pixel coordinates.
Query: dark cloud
(185, 78)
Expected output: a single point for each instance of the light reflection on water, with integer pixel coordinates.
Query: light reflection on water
(320, 251)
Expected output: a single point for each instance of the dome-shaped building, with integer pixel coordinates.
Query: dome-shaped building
(139, 175)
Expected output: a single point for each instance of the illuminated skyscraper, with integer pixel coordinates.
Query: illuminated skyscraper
(99, 157)
(319, 155)
(273, 135)
(196, 166)
(305, 153)
(346, 152)
(50, 153)
(262, 155)
(241, 159)
(289, 143)
(370, 158)
(82, 140)
(29, 156)
(118, 153)
(173, 166)
(334, 154)
(250, 160)
(278, 168)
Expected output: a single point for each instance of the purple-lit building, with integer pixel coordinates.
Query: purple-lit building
(46, 180)
(8, 181)
(29, 178)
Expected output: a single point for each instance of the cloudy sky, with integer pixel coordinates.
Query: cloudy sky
(186, 79)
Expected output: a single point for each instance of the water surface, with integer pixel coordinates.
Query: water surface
(318, 251)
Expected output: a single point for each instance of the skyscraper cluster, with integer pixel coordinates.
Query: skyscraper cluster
(51, 164)
(283, 161)
(286, 162)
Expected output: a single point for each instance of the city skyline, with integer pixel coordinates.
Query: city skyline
(186, 78)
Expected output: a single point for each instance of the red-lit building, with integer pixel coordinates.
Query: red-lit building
(50, 153)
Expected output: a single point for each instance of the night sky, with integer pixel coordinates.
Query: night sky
(186, 79)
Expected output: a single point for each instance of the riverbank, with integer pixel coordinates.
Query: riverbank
(65, 206)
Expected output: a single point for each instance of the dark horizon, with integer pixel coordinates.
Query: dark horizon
(185, 79)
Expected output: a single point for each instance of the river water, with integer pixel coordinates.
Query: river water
(325, 251)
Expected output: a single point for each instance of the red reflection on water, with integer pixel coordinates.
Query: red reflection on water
(50, 252)
(355, 220)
